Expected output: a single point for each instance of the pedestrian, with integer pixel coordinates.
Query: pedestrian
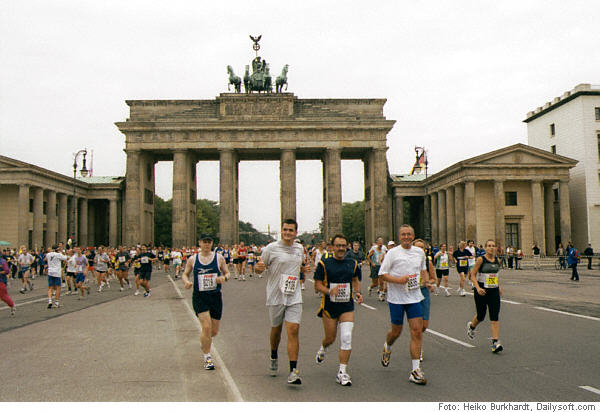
(337, 278)
(560, 252)
(282, 261)
(210, 271)
(402, 268)
(572, 260)
(536, 256)
(589, 252)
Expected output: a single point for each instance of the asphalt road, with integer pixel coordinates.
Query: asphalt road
(119, 347)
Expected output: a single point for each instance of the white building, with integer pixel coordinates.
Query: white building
(570, 126)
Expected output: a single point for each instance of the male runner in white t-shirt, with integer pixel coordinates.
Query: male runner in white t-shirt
(402, 268)
(54, 260)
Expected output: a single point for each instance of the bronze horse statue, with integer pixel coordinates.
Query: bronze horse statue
(235, 80)
(281, 80)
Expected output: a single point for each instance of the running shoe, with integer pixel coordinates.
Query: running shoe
(385, 357)
(209, 365)
(22, 291)
(462, 293)
(68, 292)
(343, 379)
(121, 289)
(294, 377)
(56, 304)
(370, 289)
(260, 276)
(49, 305)
(436, 292)
(303, 287)
(381, 296)
(147, 294)
(13, 310)
(470, 331)
(137, 292)
(497, 347)
(320, 356)
(274, 367)
(417, 377)
(31, 286)
(446, 292)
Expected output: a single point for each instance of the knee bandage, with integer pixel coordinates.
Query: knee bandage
(346, 335)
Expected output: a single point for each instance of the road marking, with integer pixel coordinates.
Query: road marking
(567, 313)
(237, 395)
(591, 389)
(502, 300)
(24, 303)
(441, 335)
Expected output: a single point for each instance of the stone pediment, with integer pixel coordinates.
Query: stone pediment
(518, 154)
(8, 163)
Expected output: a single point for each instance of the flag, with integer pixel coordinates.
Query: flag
(419, 165)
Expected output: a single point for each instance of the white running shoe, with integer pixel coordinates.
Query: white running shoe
(137, 292)
(470, 331)
(343, 379)
(56, 304)
(273, 367)
(121, 289)
(462, 292)
(446, 292)
(417, 377)
(294, 377)
(13, 310)
(303, 287)
(497, 347)
(320, 356)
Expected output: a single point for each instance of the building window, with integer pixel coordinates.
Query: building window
(510, 198)
(597, 110)
(45, 210)
(31, 205)
(552, 130)
(512, 235)
(555, 195)
(553, 149)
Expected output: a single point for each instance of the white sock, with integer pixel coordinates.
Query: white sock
(386, 346)
(343, 368)
(416, 364)
(322, 349)
(206, 356)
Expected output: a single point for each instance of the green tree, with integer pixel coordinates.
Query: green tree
(249, 235)
(163, 216)
(207, 218)
(353, 221)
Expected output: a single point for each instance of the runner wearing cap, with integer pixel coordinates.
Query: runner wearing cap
(210, 272)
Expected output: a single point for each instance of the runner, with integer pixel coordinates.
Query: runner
(122, 267)
(90, 254)
(71, 271)
(461, 258)
(242, 256)
(167, 260)
(282, 261)
(145, 258)
(487, 294)
(136, 269)
(81, 263)
(426, 287)
(54, 260)
(24, 260)
(210, 272)
(176, 256)
(403, 268)
(4, 272)
(251, 261)
(442, 269)
(101, 266)
(375, 257)
(161, 258)
(337, 278)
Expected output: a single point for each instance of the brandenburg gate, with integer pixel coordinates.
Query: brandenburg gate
(252, 126)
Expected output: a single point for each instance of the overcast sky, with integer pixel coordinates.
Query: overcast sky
(458, 76)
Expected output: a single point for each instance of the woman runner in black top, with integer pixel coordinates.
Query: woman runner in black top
(486, 292)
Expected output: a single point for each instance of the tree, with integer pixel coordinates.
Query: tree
(353, 221)
(249, 235)
(163, 217)
(207, 218)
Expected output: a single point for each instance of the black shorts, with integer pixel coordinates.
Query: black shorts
(145, 275)
(442, 272)
(488, 303)
(208, 301)
(236, 261)
(72, 274)
(334, 310)
(375, 272)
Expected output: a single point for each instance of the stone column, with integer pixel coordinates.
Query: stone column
(112, 223)
(499, 202)
(368, 179)
(133, 201)
(287, 176)
(379, 194)
(427, 218)
(470, 211)
(537, 213)
(83, 223)
(51, 220)
(549, 219)
(38, 217)
(23, 224)
(63, 218)
(73, 219)
(227, 197)
(459, 210)
(193, 197)
(450, 217)
(333, 192)
(442, 234)
(398, 215)
(435, 233)
(565, 212)
(181, 198)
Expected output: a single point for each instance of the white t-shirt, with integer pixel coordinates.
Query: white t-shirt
(399, 262)
(102, 262)
(55, 260)
(72, 264)
(25, 259)
(176, 256)
(471, 249)
(282, 260)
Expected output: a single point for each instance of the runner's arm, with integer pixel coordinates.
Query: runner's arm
(473, 272)
(189, 266)
(222, 267)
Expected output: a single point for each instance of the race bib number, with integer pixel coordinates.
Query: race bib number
(207, 281)
(491, 280)
(413, 281)
(471, 262)
(343, 294)
(288, 284)
(144, 259)
(462, 263)
(444, 262)
(122, 259)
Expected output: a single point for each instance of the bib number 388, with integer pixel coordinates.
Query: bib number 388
(288, 284)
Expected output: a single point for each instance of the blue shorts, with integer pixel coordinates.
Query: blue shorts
(54, 281)
(413, 310)
(425, 303)
(79, 278)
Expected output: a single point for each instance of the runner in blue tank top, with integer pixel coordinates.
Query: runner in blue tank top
(210, 272)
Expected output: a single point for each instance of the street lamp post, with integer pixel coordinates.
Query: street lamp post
(427, 201)
(84, 173)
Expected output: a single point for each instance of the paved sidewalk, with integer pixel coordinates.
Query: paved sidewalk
(129, 349)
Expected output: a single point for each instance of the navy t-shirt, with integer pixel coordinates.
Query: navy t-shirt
(463, 260)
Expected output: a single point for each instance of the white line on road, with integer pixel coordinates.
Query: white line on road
(503, 300)
(591, 389)
(567, 313)
(237, 395)
(441, 335)
(24, 303)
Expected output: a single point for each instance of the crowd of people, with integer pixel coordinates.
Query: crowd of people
(404, 275)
